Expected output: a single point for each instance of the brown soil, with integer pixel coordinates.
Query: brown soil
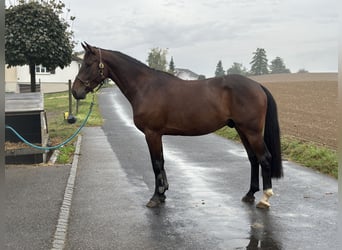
(307, 105)
(14, 145)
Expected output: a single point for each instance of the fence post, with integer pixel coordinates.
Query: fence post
(70, 100)
(71, 119)
(77, 103)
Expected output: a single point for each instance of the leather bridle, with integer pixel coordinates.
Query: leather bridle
(101, 66)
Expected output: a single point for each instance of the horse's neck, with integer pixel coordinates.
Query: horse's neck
(126, 74)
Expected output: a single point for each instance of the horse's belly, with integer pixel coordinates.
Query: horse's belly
(195, 124)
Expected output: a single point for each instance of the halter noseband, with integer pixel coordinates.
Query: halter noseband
(101, 72)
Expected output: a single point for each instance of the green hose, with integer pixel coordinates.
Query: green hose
(59, 145)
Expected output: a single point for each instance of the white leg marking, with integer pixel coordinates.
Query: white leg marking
(263, 203)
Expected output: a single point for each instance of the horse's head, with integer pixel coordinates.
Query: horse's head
(91, 73)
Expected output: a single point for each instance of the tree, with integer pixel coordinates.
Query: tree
(157, 59)
(278, 66)
(219, 70)
(237, 68)
(259, 62)
(35, 34)
(172, 67)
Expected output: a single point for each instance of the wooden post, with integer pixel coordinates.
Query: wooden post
(77, 103)
(70, 99)
(71, 119)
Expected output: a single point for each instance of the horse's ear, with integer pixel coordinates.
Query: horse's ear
(89, 48)
(84, 46)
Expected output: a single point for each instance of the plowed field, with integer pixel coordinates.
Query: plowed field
(307, 105)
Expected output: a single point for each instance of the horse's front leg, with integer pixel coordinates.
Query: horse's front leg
(154, 143)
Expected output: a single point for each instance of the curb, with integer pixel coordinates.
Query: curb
(53, 157)
(64, 212)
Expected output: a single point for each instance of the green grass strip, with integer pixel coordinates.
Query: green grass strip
(307, 154)
(56, 104)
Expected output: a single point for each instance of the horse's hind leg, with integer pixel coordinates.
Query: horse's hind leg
(264, 157)
(254, 185)
(161, 185)
(265, 160)
(256, 144)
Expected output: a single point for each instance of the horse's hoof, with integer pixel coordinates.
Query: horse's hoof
(153, 203)
(263, 204)
(248, 199)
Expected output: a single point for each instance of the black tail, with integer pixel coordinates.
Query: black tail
(272, 135)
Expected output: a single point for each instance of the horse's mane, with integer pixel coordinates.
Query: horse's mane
(139, 63)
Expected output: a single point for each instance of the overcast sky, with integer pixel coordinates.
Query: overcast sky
(199, 33)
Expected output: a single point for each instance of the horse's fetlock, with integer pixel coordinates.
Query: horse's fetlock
(161, 189)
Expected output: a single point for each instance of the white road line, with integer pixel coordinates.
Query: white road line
(64, 213)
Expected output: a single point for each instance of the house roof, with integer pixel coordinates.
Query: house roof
(77, 57)
(190, 73)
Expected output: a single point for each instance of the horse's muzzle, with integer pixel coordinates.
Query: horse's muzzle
(78, 91)
(78, 96)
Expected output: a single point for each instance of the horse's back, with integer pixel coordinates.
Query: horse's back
(240, 83)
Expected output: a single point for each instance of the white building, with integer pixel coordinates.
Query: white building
(18, 77)
(186, 74)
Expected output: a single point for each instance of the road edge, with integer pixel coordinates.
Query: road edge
(64, 213)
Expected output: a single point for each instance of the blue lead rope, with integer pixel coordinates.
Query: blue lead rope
(61, 144)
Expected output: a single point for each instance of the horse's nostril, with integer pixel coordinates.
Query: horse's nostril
(74, 94)
(77, 95)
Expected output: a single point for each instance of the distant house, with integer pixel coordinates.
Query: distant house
(17, 79)
(186, 74)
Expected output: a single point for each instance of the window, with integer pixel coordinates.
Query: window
(41, 70)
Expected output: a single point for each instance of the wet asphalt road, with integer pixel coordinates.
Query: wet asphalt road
(208, 176)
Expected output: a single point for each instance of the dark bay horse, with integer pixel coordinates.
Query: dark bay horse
(166, 105)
